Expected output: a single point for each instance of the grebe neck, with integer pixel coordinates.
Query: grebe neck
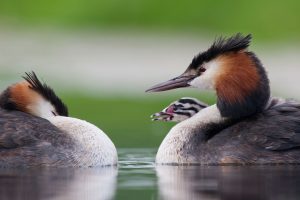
(245, 91)
(186, 136)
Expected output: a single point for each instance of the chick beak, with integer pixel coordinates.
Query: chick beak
(178, 82)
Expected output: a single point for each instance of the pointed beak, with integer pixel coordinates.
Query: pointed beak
(178, 82)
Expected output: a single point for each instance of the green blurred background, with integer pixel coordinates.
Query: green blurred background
(142, 42)
(268, 20)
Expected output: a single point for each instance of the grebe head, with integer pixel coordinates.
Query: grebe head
(236, 75)
(179, 110)
(33, 97)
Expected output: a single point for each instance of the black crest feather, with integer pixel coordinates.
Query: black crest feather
(220, 46)
(47, 92)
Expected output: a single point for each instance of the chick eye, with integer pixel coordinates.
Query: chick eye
(177, 107)
(53, 113)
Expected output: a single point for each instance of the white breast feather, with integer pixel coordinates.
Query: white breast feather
(94, 148)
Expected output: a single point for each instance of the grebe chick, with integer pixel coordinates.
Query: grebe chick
(245, 126)
(179, 110)
(186, 107)
(36, 132)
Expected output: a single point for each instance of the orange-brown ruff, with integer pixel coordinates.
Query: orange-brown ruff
(235, 67)
(23, 96)
(245, 126)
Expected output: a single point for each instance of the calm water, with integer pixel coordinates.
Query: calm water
(137, 177)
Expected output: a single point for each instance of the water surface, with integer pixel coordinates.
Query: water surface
(137, 177)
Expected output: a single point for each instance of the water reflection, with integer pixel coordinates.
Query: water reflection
(228, 182)
(58, 184)
(137, 177)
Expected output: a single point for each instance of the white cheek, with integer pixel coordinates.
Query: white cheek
(41, 108)
(202, 82)
(207, 79)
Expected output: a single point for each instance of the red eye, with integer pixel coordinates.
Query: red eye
(202, 69)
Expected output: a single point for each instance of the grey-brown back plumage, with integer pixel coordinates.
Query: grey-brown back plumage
(269, 137)
(26, 140)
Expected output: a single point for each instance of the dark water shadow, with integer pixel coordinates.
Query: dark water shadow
(58, 184)
(229, 182)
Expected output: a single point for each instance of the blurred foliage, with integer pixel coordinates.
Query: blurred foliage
(126, 121)
(266, 19)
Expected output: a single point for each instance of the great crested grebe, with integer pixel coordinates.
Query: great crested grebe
(246, 126)
(35, 130)
(179, 110)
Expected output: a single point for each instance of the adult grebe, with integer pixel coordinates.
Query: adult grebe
(35, 131)
(245, 126)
